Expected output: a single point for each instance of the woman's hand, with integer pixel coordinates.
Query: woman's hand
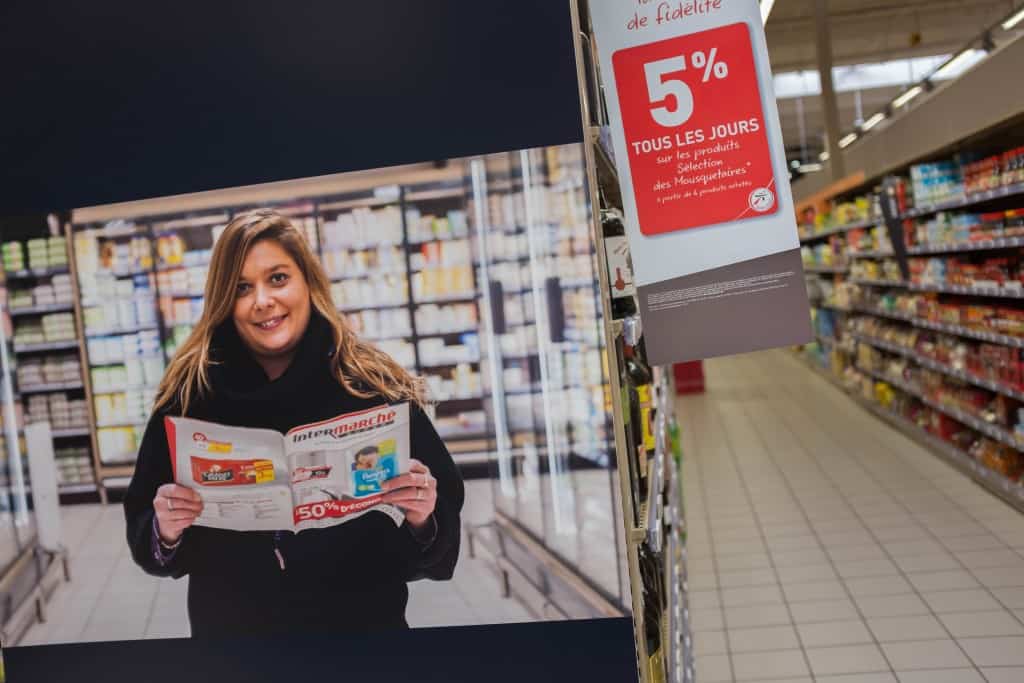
(415, 492)
(176, 509)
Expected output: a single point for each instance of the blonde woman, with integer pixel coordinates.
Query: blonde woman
(271, 351)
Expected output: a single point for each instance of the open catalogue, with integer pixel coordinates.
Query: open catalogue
(312, 477)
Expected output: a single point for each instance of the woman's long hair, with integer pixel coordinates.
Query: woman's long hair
(360, 368)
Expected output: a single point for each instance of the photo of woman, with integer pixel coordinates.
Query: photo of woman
(271, 351)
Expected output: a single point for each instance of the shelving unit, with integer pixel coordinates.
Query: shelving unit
(49, 385)
(930, 319)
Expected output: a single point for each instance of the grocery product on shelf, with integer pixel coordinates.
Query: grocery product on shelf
(620, 266)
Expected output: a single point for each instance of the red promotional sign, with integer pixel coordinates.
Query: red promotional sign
(695, 130)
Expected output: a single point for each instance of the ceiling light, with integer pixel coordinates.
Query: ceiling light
(766, 9)
(953, 64)
(873, 121)
(824, 156)
(847, 141)
(810, 168)
(907, 96)
(1013, 20)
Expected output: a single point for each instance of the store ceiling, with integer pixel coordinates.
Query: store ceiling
(865, 31)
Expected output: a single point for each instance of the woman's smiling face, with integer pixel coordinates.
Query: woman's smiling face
(272, 305)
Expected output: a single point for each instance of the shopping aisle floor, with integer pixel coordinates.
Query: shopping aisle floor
(826, 546)
(110, 598)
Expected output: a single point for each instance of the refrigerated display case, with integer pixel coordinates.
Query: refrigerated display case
(558, 529)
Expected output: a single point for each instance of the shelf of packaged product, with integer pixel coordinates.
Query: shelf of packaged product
(181, 295)
(372, 307)
(31, 274)
(877, 283)
(994, 432)
(833, 307)
(1015, 342)
(878, 312)
(968, 200)
(36, 310)
(120, 425)
(71, 489)
(415, 244)
(600, 137)
(839, 229)
(942, 368)
(524, 390)
(107, 364)
(71, 433)
(827, 270)
(118, 470)
(47, 388)
(91, 303)
(460, 403)
(449, 333)
(46, 346)
(369, 276)
(995, 292)
(127, 387)
(871, 254)
(448, 364)
(978, 245)
(164, 267)
(119, 331)
(454, 299)
(993, 481)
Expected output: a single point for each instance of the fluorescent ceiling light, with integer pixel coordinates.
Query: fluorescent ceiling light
(907, 96)
(809, 168)
(848, 140)
(873, 121)
(824, 156)
(954, 63)
(1012, 21)
(766, 9)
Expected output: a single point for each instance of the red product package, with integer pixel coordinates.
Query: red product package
(208, 472)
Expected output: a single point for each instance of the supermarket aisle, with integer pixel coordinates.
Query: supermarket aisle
(826, 546)
(110, 598)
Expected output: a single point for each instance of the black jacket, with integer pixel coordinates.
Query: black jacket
(350, 577)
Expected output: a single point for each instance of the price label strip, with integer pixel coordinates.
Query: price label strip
(695, 130)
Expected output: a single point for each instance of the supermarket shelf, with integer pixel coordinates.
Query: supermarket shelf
(69, 433)
(70, 489)
(121, 390)
(128, 330)
(420, 243)
(32, 273)
(937, 366)
(449, 300)
(974, 291)
(444, 193)
(837, 230)
(359, 203)
(449, 333)
(833, 307)
(877, 312)
(181, 295)
(46, 346)
(1006, 340)
(37, 310)
(119, 425)
(449, 364)
(46, 388)
(835, 270)
(374, 307)
(123, 360)
(979, 245)
(872, 254)
(164, 267)
(976, 423)
(365, 276)
(878, 283)
(970, 200)
(993, 481)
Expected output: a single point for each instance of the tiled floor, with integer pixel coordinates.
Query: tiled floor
(110, 598)
(825, 546)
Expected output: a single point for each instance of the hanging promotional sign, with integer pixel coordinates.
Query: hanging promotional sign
(705, 189)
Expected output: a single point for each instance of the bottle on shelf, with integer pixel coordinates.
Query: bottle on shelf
(643, 382)
(620, 265)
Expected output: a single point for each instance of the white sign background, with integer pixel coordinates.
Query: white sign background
(663, 257)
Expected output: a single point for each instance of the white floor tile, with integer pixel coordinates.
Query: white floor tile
(971, 600)
(815, 591)
(763, 639)
(941, 676)
(846, 659)
(880, 677)
(784, 663)
(1005, 651)
(827, 610)
(981, 624)
(927, 654)
(714, 669)
(709, 643)
(895, 629)
(752, 595)
(853, 632)
(757, 615)
(879, 585)
(956, 579)
(892, 606)
(1006, 674)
